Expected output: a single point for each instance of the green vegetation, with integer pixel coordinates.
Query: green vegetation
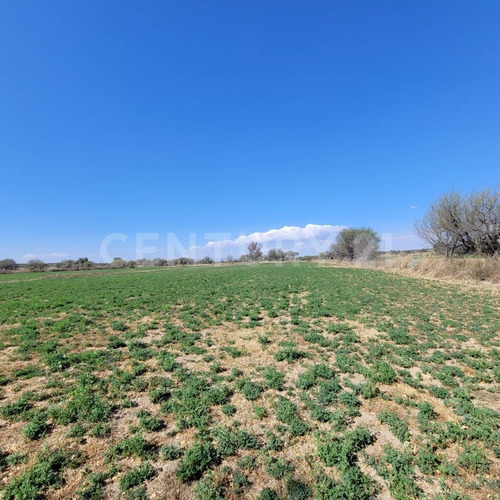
(294, 381)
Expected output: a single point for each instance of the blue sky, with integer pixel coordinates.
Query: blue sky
(238, 117)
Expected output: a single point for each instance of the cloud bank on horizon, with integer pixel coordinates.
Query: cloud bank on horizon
(310, 239)
(294, 235)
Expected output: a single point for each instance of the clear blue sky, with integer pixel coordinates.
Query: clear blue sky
(238, 116)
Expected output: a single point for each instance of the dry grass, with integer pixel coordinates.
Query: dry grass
(464, 269)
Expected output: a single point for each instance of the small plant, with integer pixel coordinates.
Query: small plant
(397, 426)
(385, 373)
(37, 428)
(289, 354)
(136, 476)
(297, 490)
(251, 390)
(195, 461)
(149, 422)
(246, 462)
(474, 460)
(170, 452)
(267, 494)
(342, 452)
(274, 379)
(134, 446)
(46, 473)
(228, 409)
(119, 326)
(279, 468)
(260, 412)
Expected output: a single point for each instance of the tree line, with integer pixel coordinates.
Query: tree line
(455, 224)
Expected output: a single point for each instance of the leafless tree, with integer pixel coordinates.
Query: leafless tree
(464, 224)
(255, 251)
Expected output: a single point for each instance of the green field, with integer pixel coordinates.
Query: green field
(288, 381)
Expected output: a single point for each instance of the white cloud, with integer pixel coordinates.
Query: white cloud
(284, 234)
(312, 238)
(413, 207)
(51, 257)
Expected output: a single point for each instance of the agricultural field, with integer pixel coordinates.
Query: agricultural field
(289, 381)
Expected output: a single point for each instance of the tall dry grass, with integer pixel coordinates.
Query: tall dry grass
(470, 269)
(458, 268)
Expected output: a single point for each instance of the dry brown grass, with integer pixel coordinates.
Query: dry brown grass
(462, 269)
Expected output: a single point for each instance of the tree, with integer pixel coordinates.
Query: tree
(355, 244)
(255, 251)
(276, 254)
(36, 265)
(464, 224)
(8, 265)
(119, 263)
(229, 258)
(206, 260)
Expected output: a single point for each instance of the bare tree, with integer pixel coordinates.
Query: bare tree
(255, 251)
(483, 219)
(36, 265)
(462, 224)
